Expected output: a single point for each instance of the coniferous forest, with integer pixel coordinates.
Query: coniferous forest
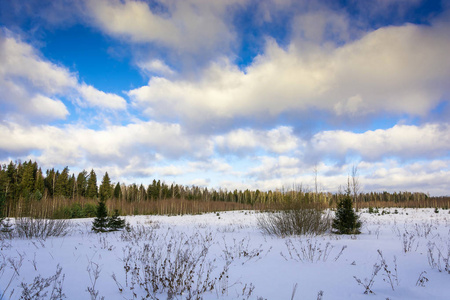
(27, 190)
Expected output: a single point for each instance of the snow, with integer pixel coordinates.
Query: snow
(253, 265)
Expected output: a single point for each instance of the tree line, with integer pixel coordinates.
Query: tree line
(25, 182)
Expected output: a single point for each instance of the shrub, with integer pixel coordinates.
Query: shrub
(40, 228)
(89, 210)
(295, 219)
(346, 220)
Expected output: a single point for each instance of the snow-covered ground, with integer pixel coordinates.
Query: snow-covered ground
(226, 256)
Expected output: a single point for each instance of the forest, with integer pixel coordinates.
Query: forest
(26, 190)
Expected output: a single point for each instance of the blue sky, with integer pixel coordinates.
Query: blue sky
(231, 94)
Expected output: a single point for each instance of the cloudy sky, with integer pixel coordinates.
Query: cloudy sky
(232, 94)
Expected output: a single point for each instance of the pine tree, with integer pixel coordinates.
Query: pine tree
(115, 223)
(346, 220)
(100, 223)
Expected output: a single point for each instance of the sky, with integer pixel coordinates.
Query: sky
(231, 94)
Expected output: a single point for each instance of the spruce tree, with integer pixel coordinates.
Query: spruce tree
(2, 207)
(346, 220)
(115, 223)
(100, 223)
(92, 191)
(118, 191)
(105, 189)
(82, 183)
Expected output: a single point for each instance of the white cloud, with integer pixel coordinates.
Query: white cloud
(29, 84)
(282, 167)
(421, 176)
(20, 61)
(97, 98)
(155, 66)
(210, 165)
(46, 107)
(402, 141)
(113, 145)
(192, 26)
(399, 70)
(202, 182)
(277, 140)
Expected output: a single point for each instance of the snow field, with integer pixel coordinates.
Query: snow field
(226, 256)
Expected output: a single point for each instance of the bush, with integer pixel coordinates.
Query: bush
(295, 219)
(76, 211)
(346, 220)
(40, 228)
(89, 210)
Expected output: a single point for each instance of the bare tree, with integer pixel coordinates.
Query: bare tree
(315, 182)
(355, 185)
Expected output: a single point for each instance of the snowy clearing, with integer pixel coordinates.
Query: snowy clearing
(226, 256)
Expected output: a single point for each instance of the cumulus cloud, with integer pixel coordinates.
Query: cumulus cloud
(429, 176)
(20, 61)
(209, 165)
(277, 140)
(115, 144)
(276, 167)
(192, 26)
(396, 70)
(46, 107)
(32, 86)
(94, 97)
(155, 66)
(402, 141)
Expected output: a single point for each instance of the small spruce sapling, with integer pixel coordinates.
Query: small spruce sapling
(100, 223)
(346, 220)
(115, 223)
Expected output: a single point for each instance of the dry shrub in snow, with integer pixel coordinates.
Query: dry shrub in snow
(40, 228)
(172, 264)
(295, 219)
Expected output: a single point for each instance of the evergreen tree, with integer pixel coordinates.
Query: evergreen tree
(346, 220)
(28, 179)
(100, 223)
(2, 207)
(50, 181)
(39, 185)
(62, 184)
(71, 187)
(92, 191)
(115, 223)
(118, 191)
(82, 183)
(3, 189)
(105, 189)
